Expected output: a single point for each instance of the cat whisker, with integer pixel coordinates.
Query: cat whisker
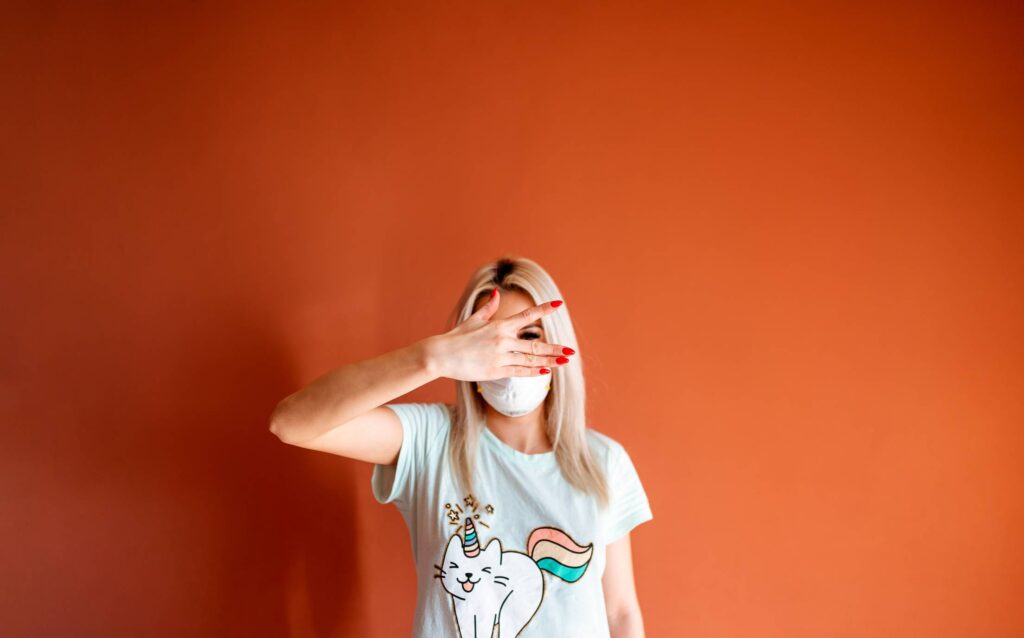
(498, 582)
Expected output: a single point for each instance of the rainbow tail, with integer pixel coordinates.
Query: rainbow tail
(557, 554)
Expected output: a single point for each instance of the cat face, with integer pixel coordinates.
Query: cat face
(473, 577)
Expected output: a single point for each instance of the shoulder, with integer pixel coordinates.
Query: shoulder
(423, 420)
(424, 411)
(606, 449)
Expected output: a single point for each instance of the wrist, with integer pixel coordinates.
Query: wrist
(429, 356)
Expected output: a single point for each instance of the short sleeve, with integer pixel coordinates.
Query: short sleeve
(629, 505)
(423, 425)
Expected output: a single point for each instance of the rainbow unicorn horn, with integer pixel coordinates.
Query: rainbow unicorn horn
(470, 546)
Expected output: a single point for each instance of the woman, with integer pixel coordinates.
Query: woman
(519, 514)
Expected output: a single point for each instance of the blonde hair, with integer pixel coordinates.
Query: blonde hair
(564, 407)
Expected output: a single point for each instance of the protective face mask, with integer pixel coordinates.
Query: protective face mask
(515, 396)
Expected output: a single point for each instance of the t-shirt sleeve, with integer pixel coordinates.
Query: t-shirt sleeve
(423, 424)
(629, 505)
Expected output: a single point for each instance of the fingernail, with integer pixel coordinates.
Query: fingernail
(494, 291)
(544, 371)
(562, 360)
(568, 351)
(556, 304)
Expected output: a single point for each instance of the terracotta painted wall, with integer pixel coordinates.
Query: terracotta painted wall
(791, 239)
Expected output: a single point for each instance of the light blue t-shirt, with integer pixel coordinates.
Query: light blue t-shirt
(525, 552)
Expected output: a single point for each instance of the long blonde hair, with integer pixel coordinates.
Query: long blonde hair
(564, 407)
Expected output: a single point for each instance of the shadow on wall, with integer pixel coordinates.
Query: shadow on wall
(282, 562)
(209, 525)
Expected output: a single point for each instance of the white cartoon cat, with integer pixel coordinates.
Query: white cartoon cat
(497, 592)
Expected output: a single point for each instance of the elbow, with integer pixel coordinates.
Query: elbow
(279, 426)
(277, 430)
(626, 622)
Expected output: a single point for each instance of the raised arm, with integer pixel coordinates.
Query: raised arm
(342, 411)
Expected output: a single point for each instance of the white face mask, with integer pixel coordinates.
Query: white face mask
(515, 396)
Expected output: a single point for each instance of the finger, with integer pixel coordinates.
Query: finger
(532, 314)
(525, 371)
(534, 346)
(486, 311)
(533, 360)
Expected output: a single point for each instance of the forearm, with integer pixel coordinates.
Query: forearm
(626, 625)
(351, 390)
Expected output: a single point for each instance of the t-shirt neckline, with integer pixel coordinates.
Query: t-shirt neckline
(533, 460)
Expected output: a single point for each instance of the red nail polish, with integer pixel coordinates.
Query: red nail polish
(494, 291)
(562, 360)
(568, 351)
(556, 304)
(544, 371)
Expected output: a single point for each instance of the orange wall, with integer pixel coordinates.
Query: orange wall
(791, 240)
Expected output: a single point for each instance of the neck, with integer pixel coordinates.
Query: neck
(526, 433)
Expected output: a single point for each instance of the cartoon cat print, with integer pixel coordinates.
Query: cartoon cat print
(497, 591)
